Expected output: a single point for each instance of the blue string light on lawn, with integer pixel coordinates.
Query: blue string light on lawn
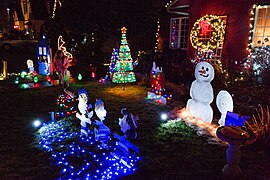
(80, 157)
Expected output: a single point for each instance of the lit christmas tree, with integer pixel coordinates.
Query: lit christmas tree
(114, 59)
(124, 66)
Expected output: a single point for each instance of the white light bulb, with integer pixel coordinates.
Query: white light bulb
(37, 123)
(164, 116)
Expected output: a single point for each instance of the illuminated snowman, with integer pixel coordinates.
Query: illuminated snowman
(201, 92)
(224, 103)
(84, 115)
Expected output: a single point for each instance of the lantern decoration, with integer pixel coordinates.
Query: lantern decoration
(208, 26)
(124, 66)
(44, 58)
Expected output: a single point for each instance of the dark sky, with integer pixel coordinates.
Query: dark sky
(106, 17)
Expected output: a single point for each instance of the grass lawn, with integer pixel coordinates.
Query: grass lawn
(169, 150)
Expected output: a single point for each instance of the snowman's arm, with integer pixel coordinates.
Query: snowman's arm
(192, 89)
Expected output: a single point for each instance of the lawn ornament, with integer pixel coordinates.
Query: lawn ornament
(99, 109)
(224, 103)
(128, 124)
(201, 92)
(84, 113)
(44, 57)
(30, 66)
(236, 120)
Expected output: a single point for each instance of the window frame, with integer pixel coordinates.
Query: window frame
(254, 37)
(180, 33)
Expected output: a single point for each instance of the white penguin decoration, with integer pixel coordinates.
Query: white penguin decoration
(84, 115)
(201, 92)
(100, 110)
(224, 103)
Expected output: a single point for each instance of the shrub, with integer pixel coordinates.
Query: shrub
(260, 125)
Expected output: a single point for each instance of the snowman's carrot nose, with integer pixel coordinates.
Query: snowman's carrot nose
(202, 71)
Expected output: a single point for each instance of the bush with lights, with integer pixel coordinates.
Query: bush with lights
(257, 64)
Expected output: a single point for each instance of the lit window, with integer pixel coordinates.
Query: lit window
(262, 26)
(179, 33)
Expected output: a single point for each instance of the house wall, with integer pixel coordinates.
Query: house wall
(237, 29)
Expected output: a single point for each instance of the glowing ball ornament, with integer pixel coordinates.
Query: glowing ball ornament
(37, 123)
(79, 77)
(23, 74)
(16, 80)
(35, 79)
(201, 92)
(48, 78)
(224, 103)
(164, 116)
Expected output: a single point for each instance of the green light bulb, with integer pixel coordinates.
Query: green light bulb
(35, 79)
(79, 77)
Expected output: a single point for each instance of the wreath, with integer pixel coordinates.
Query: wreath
(217, 35)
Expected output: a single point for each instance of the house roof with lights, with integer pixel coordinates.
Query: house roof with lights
(178, 7)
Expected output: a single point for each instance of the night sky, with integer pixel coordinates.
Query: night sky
(106, 18)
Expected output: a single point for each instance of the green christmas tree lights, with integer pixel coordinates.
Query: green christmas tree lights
(124, 65)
